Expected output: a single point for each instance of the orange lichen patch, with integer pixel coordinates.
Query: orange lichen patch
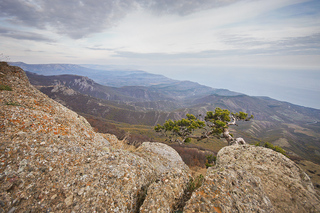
(201, 193)
(13, 120)
(217, 209)
(41, 131)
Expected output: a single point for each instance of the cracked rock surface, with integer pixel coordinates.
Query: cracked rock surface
(51, 160)
(254, 179)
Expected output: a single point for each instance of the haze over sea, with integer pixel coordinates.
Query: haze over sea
(261, 48)
(299, 87)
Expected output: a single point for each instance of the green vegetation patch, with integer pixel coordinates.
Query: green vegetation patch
(13, 104)
(274, 148)
(195, 183)
(211, 159)
(5, 87)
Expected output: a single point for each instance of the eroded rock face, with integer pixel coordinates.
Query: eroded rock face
(52, 160)
(254, 179)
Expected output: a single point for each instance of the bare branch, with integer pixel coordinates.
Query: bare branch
(233, 122)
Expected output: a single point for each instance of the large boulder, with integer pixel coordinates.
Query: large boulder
(173, 176)
(254, 179)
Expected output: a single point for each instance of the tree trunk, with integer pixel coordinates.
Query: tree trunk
(230, 139)
(227, 136)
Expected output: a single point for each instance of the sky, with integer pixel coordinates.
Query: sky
(256, 47)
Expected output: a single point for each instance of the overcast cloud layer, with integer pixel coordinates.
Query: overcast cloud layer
(78, 19)
(201, 40)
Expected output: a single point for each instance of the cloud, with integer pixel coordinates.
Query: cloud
(307, 45)
(242, 45)
(73, 17)
(165, 29)
(22, 35)
(183, 7)
(80, 18)
(100, 48)
(303, 45)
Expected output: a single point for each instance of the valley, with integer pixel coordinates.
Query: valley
(134, 110)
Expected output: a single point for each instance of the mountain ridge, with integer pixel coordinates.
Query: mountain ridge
(281, 123)
(113, 78)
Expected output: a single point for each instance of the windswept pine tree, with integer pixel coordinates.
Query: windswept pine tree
(215, 124)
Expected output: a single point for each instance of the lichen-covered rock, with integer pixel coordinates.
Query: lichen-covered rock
(172, 177)
(51, 160)
(164, 194)
(254, 179)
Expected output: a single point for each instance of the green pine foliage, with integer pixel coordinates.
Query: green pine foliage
(181, 128)
(213, 125)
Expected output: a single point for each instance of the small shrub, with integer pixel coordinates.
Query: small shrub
(194, 184)
(268, 145)
(280, 150)
(275, 148)
(210, 160)
(208, 165)
(5, 87)
(188, 140)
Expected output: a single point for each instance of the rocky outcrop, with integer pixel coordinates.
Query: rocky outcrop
(254, 179)
(52, 160)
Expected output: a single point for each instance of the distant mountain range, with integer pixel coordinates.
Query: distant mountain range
(147, 99)
(121, 78)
